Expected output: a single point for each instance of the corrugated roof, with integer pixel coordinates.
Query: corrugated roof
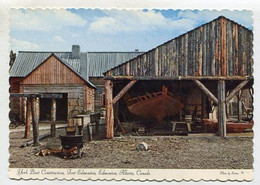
(99, 62)
(27, 61)
(89, 63)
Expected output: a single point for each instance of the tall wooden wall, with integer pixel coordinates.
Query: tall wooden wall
(218, 48)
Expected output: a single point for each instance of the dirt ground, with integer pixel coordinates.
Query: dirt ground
(172, 153)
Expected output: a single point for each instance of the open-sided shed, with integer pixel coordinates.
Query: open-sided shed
(215, 58)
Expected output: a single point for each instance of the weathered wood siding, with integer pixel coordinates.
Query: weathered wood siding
(89, 98)
(100, 91)
(218, 48)
(52, 71)
(15, 88)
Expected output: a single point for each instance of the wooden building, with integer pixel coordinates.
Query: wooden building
(208, 65)
(77, 75)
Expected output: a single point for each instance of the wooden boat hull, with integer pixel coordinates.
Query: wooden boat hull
(156, 105)
(232, 127)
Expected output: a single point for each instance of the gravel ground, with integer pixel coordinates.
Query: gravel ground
(172, 153)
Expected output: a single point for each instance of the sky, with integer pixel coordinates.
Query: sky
(107, 30)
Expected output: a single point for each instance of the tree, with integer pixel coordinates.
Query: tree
(12, 56)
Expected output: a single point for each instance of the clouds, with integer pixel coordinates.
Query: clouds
(117, 21)
(59, 39)
(242, 17)
(44, 19)
(23, 45)
(107, 30)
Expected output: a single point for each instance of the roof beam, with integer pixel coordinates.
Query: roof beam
(123, 91)
(206, 91)
(236, 90)
(178, 77)
(18, 95)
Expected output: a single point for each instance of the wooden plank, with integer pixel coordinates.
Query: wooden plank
(200, 53)
(28, 118)
(213, 37)
(178, 77)
(35, 121)
(223, 48)
(123, 91)
(206, 91)
(236, 90)
(53, 117)
(221, 109)
(109, 109)
(127, 68)
(30, 95)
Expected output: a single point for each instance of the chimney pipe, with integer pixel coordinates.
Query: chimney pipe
(75, 51)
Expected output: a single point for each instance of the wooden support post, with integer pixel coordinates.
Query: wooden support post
(239, 106)
(221, 108)
(89, 130)
(123, 91)
(53, 117)
(236, 90)
(35, 121)
(204, 113)
(24, 109)
(28, 118)
(206, 91)
(180, 90)
(109, 109)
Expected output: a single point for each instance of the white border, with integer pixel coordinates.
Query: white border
(160, 4)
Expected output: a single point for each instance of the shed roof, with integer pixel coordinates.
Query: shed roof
(88, 64)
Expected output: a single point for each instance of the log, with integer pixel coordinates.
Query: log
(221, 109)
(235, 91)
(120, 124)
(109, 109)
(30, 142)
(28, 118)
(178, 77)
(206, 91)
(53, 117)
(239, 106)
(35, 121)
(123, 91)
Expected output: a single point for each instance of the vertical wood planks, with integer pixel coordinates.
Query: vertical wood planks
(221, 108)
(218, 48)
(52, 71)
(109, 109)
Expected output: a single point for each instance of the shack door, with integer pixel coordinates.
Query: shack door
(61, 108)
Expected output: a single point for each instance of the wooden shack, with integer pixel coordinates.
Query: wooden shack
(208, 65)
(75, 74)
(53, 75)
